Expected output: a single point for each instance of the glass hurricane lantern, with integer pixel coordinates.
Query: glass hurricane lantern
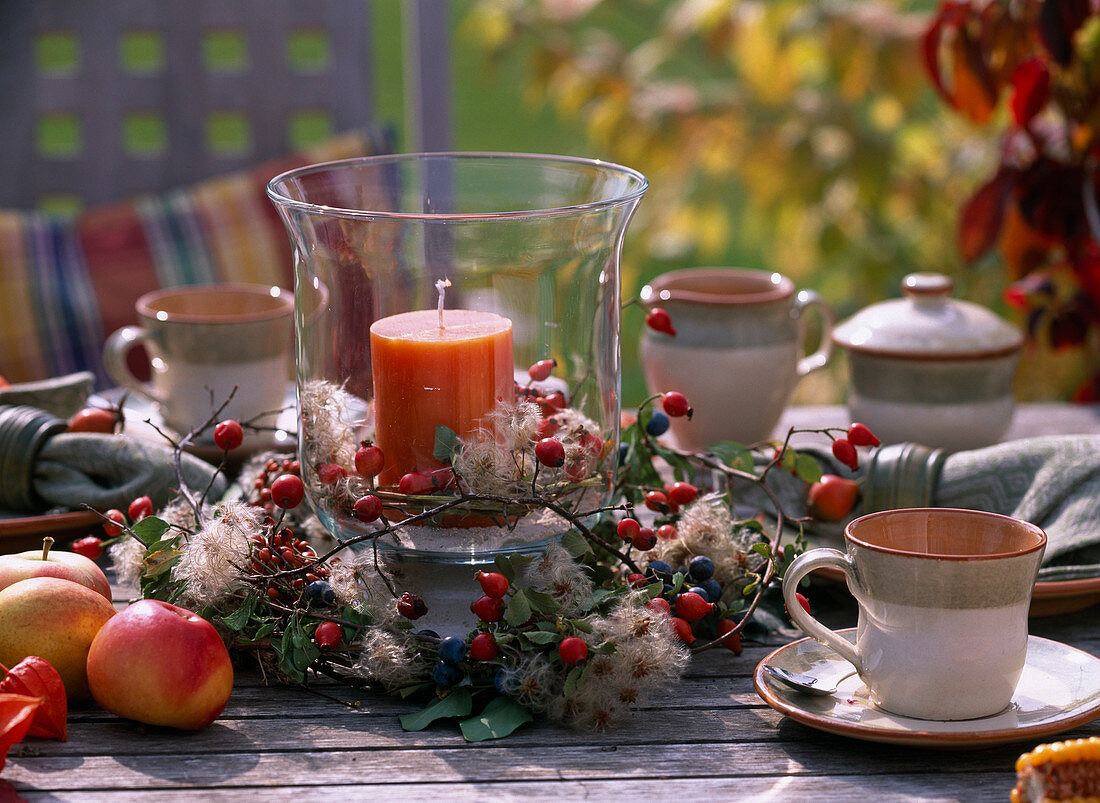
(527, 245)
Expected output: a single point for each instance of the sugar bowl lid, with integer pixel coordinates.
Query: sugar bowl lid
(928, 323)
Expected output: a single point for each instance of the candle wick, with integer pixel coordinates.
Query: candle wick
(441, 286)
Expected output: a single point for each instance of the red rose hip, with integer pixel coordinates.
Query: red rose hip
(659, 320)
(573, 650)
(861, 435)
(288, 491)
(676, 404)
(369, 460)
(846, 453)
(228, 435)
(494, 584)
(488, 609)
(483, 647)
(550, 452)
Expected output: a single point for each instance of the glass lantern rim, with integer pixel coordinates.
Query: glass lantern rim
(283, 200)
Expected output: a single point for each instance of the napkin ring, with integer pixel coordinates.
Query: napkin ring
(23, 431)
(902, 475)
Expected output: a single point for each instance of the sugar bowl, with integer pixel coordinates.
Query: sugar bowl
(931, 369)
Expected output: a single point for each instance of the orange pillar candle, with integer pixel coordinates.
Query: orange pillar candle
(430, 370)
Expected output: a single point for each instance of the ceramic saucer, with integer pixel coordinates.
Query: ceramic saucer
(1059, 689)
(143, 419)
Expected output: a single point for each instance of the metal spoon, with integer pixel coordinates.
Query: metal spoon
(804, 683)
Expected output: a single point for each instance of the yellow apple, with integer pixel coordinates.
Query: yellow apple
(54, 619)
(162, 665)
(53, 563)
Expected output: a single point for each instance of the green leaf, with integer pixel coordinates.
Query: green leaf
(499, 719)
(159, 562)
(680, 464)
(408, 691)
(599, 595)
(458, 703)
(357, 616)
(237, 620)
(573, 679)
(733, 455)
(505, 567)
(285, 650)
(518, 610)
(807, 468)
(575, 544)
(447, 444)
(541, 602)
(539, 637)
(150, 529)
(581, 625)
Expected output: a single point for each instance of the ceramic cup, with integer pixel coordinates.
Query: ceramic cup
(943, 604)
(737, 350)
(203, 341)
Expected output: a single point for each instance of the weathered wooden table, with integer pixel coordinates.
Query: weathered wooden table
(708, 738)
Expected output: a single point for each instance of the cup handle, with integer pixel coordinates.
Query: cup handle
(807, 299)
(801, 566)
(116, 349)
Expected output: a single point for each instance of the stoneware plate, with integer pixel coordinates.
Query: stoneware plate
(19, 533)
(1059, 689)
(143, 419)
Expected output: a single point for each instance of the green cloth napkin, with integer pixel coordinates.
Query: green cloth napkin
(1051, 481)
(45, 469)
(110, 471)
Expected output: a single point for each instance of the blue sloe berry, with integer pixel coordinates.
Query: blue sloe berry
(452, 650)
(701, 568)
(658, 425)
(320, 592)
(702, 592)
(659, 568)
(446, 675)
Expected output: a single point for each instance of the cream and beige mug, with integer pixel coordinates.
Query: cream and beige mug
(737, 353)
(943, 607)
(203, 341)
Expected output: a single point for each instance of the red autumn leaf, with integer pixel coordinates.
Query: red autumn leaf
(974, 93)
(956, 62)
(36, 677)
(950, 13)
(984, 214)
(1030, 91)
(16, 715)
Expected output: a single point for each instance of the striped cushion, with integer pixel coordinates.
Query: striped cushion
(66, 283)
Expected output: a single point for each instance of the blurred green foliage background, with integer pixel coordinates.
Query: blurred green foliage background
(790, 135)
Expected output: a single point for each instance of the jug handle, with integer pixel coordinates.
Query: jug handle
(808, 299)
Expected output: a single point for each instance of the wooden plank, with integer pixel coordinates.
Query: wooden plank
(870, 767)
(978, 787)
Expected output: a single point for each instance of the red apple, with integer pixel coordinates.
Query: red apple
(53, 563)
(56, 620)
(832, 498)
(162, 665)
